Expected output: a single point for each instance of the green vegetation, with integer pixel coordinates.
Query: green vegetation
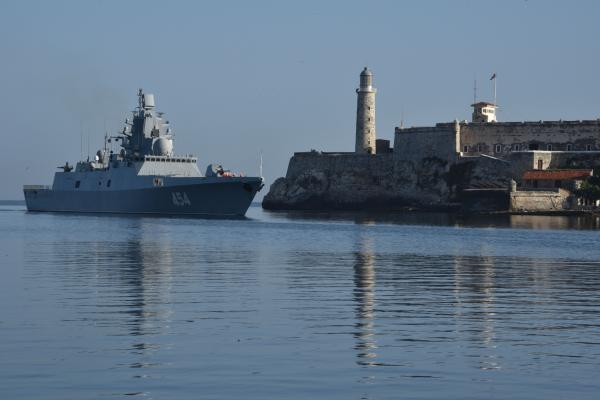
(590, 188)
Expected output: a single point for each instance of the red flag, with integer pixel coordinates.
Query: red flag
(493, 77)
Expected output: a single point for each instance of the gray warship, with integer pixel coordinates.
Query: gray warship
(144, 177)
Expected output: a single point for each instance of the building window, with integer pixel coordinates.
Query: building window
(588, 147)
(569, 147)
(498, 148)
(77, 184)
(465, 149)
(540, 164)
(549, 147)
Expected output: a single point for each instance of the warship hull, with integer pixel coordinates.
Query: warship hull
(224, 198)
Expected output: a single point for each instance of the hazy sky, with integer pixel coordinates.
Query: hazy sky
(237, 77)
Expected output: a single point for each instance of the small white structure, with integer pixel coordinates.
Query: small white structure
(484, 112)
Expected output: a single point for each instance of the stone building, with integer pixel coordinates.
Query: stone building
(568, 179)
(442, 167)
(483, 135)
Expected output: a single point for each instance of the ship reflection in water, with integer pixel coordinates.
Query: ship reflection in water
(131, 280)
(279, 304)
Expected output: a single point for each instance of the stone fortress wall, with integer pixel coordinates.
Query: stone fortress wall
(498, 139)
(431, 167)
(438, 141)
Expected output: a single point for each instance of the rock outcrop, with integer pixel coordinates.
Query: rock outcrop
(349, 181)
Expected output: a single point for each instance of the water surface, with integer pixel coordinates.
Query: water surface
(295, 305)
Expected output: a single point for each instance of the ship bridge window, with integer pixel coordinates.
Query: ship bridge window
(77, 183)
(569, 147)
(498, 148)
(588, 147)
(108, 183)
(465, 149)
(549, 147)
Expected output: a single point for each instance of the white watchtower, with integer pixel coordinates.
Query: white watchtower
(365, 114)
(484, 112)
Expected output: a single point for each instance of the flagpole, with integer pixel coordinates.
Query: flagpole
(495, 78)
(261, 164)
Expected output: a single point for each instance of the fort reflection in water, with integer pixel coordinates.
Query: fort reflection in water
(447, 219)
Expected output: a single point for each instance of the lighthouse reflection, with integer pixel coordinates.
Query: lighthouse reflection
(364, 296)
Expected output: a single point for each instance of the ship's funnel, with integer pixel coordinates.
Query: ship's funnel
(148, 101)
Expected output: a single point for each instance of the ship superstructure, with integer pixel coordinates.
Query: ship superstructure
(145, 176)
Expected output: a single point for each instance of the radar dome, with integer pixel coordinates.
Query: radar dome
(162, 147)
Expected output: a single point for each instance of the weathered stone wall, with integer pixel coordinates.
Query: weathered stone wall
(585, 159)
(427, 169)
(526, 160)
(515, 136)
(540, 201)
(334, 180)
(486, 138)
(438, 141)
(357, 181)
(484, 172)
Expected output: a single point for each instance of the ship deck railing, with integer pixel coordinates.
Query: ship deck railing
(37, 187)
(181, 159)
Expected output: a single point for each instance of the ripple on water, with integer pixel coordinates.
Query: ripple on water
(276, 307)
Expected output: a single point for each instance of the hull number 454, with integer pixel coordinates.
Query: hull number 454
(180, 199)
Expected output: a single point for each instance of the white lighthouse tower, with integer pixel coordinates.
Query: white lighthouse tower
(365, 114)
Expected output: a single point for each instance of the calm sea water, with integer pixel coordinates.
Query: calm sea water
(296, 306)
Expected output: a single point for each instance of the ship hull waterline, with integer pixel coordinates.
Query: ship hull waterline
(215, 199)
